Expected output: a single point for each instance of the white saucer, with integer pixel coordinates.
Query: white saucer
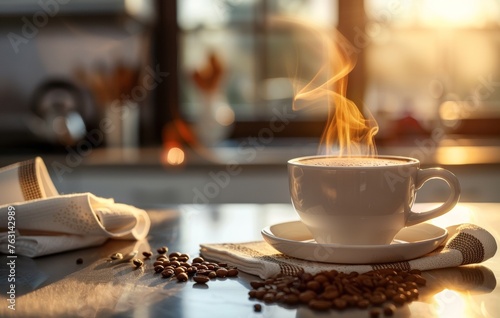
(294, 239)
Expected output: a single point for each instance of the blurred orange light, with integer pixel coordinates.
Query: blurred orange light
(449, 110)
(174, 156)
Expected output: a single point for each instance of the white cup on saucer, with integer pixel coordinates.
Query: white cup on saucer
(362, 200)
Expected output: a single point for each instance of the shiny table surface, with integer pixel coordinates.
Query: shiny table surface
(56, 286)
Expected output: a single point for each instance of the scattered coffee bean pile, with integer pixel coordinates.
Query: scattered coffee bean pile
(378, 290)
(176, 265)
(384, 288)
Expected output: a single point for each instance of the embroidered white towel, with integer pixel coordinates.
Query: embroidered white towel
(466, 244)
(35, 220)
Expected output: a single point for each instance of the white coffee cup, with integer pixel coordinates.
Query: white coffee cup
(362, 200)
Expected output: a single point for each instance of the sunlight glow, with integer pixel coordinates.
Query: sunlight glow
(450, 304)
(459, 215)
(452, 13)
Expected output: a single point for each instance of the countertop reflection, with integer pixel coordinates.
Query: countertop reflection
(56, 286)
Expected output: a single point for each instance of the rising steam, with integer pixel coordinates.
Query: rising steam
(319, 77)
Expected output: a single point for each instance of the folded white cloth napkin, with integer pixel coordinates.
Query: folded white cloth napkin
(43, 222)
(466, 244)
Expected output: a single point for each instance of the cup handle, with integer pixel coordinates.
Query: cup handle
(425, 175)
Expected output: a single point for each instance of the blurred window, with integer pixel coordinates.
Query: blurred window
(249, 41)
(436, 61)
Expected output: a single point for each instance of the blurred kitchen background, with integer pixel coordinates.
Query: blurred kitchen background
(190, 101)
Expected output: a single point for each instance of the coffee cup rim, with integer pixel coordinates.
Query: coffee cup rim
(408, 161)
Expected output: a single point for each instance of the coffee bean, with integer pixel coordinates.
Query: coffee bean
(414, 294)
(353, 290)
(182, 277)
(330, 294)
(198, 259)
(79, 261)
(162, 250)
(221, 272)
(398, 279)
(294, 290)
(257, 307)
(175, 264)
(174, 254)
(291, 299)
(212, 274)
(378, 299)
(374, 313)
(167, 273)
(257, 284)
(252, 293)
(269, 298)
(191, 270)
(411, 285)
(319, 304)
(340, 286)
(203, 272)
(233, 272)
(342, 290)
(320, 278)
(399, 299)
(166, 263)
(158, 263)
(363, 304)
(116, 256)
(159, 268)
(259, 294)
(321, 291)
(419, 280)
(340, 303)
(137, 262)
(280, 295)
(389, 293)
(351, 300)
(147, 254)
(307, 296)
(367, 282)
(389, 309)
(201, 279)
(313, 285)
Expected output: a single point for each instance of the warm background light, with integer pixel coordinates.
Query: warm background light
(452, 13)
(224, 115)
(174, 156)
